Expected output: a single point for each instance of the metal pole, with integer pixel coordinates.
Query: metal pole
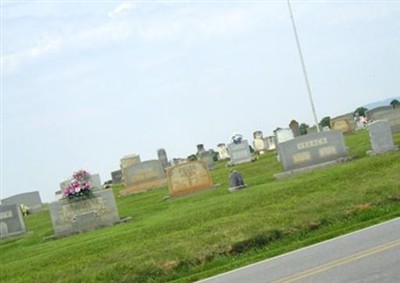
(304, 67)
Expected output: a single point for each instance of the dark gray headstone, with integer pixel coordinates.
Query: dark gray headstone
(313, 149)
(294, 125)
(239, 152)
(75, 216)
(116, 176)
(162, 156)
(11, 220)
(380, 134)
(236, 181)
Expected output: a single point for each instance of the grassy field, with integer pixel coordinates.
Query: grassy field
(185, 239)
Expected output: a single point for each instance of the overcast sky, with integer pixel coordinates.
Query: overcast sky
(87, 82)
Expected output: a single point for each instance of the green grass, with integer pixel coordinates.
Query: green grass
(203, 234)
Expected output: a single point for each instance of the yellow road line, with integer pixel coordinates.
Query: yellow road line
(338, 262)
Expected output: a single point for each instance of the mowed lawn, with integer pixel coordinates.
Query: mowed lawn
(188, 238)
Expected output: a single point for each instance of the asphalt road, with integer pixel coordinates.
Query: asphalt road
(368, 255)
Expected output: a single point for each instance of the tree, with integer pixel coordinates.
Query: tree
(303, 128)
(361, 111)
(325, 122)
(395, 103)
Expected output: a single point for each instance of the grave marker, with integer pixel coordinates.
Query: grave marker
(381, 137)
(143, 176)
(188, 178)
(11, 221)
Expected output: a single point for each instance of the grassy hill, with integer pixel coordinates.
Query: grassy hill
(189, 238)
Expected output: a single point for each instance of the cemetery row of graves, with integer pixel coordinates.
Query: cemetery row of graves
(83, 205)
(184, 212)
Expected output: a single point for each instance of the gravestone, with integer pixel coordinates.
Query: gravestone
(162, 156)
(11, 221)
(294, 126)
(270, 143)
(312, 130)
(207, 156)
(30, 199)
(143, 176)
(283, 135)
(308, 151)
(236, 181)
(116, 176)
(258, 142)
(239, 152)
(76, 216)
(188, 178)
(126, 162)
(392, 115)
(344, 123)
(222, 151)
(381, 137)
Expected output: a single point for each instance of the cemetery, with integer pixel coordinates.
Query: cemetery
(186, 237)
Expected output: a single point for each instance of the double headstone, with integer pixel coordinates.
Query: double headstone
(143, 176)
(30, 199)
(310, 150)
(83, 215)
(188, 177)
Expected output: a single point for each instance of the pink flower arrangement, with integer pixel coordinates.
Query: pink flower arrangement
(79, 186)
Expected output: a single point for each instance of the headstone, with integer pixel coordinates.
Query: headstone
(239, 152)
(188, 178)
(128, 161)
(236, 181)
(162, 156)
(294, 126)
(326, 129)
(270, 143)
(381, 137)
(222, 151)
(283, 135)
(116, 176)
(386, 113)
(258, 142)
(208, 158)
(76, 216)
(30, 199)
(200, 149)
(312, 130)
(143, 176)
(344, 123)
(11, 221)
(310, 150)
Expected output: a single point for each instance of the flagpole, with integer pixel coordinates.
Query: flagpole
(303, 67)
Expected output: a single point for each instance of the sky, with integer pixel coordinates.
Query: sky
(84, 83)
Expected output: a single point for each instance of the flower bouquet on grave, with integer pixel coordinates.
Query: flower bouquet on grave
(79, 187)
